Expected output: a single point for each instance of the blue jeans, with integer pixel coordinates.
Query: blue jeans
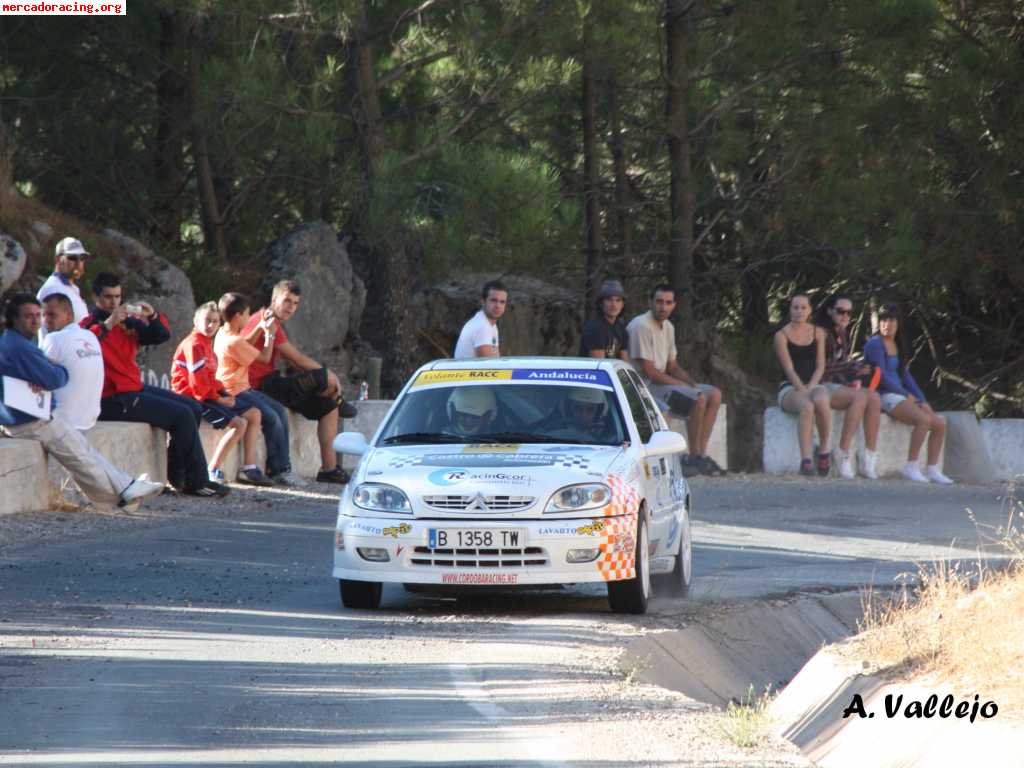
(275, 428)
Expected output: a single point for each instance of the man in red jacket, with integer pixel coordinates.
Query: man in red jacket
(121, 329)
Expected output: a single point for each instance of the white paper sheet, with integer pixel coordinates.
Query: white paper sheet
(19, 395)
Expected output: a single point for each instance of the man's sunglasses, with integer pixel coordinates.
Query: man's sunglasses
(74, 257)
(839, 311)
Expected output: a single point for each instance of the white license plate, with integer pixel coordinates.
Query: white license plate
(476, 538)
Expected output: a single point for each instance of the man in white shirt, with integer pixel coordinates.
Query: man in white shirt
(68, 269)
(68, 344)
(652, 347)
(479, 337)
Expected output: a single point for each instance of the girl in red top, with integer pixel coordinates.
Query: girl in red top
(194, 375)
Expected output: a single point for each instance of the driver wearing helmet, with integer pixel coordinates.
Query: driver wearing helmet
(584, 412)
(471, 410)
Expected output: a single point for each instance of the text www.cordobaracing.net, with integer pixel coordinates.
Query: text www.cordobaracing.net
(63, 9)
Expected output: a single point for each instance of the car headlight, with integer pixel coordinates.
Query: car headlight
(379, 497)
(574, 498)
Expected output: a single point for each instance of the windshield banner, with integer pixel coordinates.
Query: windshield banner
(534, 375)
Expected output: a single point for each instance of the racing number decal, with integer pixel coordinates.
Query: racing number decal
(618, 539)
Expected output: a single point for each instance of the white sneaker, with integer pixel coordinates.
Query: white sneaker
(936, 476)
(289, 478)
(912, 471)
(867, 464)
(845, 465)
(139, 489)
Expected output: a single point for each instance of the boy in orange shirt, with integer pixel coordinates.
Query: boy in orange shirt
(235, 353)
(194, 375)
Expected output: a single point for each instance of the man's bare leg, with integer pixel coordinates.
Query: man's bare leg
(326, 431)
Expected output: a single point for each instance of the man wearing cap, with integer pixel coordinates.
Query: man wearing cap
(68, 269)
(604, 335)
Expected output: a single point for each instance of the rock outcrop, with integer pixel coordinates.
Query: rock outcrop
(333, 296)
(12, 261)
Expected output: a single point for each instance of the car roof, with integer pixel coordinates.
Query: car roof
(507, 363)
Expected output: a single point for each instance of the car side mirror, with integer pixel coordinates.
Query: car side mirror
(353, 443)
(665, 441)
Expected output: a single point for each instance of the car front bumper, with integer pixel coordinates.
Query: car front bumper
(539, 554)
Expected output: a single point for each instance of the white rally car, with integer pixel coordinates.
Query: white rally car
(517, 471)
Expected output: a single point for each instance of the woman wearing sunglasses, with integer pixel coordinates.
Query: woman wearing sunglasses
(841, 379)
(902, 398)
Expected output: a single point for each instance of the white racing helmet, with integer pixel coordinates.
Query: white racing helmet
(470, 402)
(582, 396)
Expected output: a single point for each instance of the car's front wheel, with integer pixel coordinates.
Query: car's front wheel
(677, 583)
(360, 594)
(631, 595)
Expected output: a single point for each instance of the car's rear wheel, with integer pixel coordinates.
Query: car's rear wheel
(631, 595)
(677, 583)
(360, 594)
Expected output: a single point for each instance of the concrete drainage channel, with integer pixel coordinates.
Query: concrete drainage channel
(779, 645)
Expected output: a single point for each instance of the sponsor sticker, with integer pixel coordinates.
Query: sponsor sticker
(563, 376)
(491, 448)
(395, 530)
(489, 459)
(479, 578)
(454, 476)
(456, 376)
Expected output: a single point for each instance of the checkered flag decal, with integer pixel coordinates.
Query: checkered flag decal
(403, 461)
(618, 543)
(572, 461)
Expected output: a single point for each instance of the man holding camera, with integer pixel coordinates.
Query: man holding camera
(121, 329)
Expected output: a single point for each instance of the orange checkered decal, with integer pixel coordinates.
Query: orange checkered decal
(618, 539)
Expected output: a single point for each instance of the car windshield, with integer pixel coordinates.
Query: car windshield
(506, 413)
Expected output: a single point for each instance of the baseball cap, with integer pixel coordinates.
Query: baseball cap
(611, 288)
(70, 246)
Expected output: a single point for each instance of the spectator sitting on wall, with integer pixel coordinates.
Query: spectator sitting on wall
(314, 391)
(69, 267)
(20, 358)
(479, 336)
(68, 344)
(604, 335)
(236, 353)
(121, 328)
(652, 345)
(194, 375)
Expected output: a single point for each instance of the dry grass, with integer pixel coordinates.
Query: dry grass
(747, 723)
(961, 627)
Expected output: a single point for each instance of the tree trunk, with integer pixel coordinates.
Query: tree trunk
(172, 113)
(212, 216)
(390, 277)
(591, 177)
(682, 198)
(623, 219)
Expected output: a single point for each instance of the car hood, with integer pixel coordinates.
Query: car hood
(430, 474)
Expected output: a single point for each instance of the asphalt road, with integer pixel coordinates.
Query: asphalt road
(219, 639)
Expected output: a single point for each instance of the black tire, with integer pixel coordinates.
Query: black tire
(360, 594)
(632, 595)
(677, 583)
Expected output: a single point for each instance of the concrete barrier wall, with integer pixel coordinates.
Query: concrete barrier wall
(23, 482)
(1004, 439)
(782, 446)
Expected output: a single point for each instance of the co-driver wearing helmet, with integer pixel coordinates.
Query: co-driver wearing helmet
(583, 416)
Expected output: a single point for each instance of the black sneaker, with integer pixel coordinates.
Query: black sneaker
(209, 490)
(690, 466)
(336, 475)
(347, 410)
(711, 467)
